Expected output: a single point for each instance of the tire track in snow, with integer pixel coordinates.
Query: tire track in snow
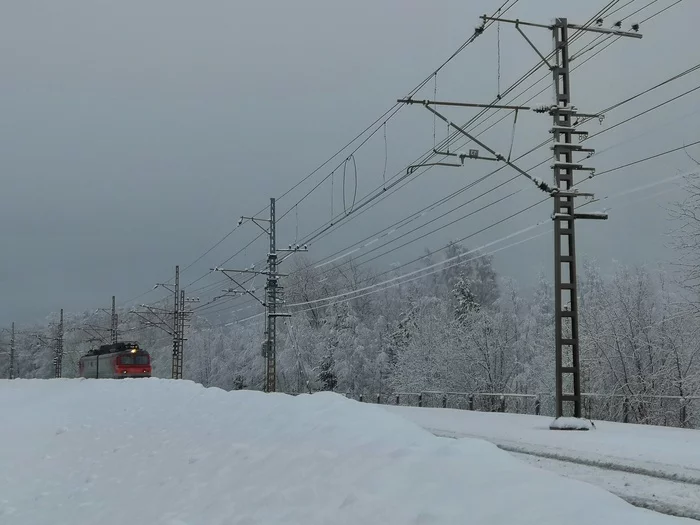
(680, 474)
(641, 486)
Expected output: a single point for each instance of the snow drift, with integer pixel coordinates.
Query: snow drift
(156, 451)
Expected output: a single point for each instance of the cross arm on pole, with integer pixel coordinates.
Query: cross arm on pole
(266, 273)
(255, 220)
(93, 334)
(458, 104)
(289, 252)
(152, 310)
(162, 325)
(615, 32)
(517, 21)
(166, 286)
(471, 155)
(593, 215)
(92, 338)
(540, 184)
(243, 288)
(578, 27)
(293, 249)
(533, 46)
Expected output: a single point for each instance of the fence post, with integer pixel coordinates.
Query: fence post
(471, 401)
(503, 403)
(379, 399)
(684, 413)
(537, 405)
(589, 406)
(626, 410)
(361, 398)
(444, 400)
(397, 399)
(420, 400)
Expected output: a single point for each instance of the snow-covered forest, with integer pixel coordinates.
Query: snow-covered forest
(461, 330)
(465, 329)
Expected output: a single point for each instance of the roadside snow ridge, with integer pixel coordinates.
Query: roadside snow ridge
(162, 452)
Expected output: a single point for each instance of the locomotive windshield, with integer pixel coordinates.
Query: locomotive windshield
(134, 359)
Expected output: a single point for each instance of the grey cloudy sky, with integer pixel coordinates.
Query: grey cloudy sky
(135, 133)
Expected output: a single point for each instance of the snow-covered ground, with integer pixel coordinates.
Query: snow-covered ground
(662, 495)
(673, 451)
(163, 452)
(657, 467)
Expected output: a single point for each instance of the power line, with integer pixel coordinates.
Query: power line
(321, 231)
(436, 267)
(477, 32)
(410, 218)
(664, 9)
(388, 114)
(611, 4)
(644, 112)
(544, 200)
(621, 7)
(394, 108)
(607, 110)
(651, 157)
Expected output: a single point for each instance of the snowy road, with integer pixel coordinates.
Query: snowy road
(676, 498)
(650, 467)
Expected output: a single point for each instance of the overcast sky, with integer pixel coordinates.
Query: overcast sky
(136, 133)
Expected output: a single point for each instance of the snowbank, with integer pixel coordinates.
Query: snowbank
(570, 423)
(166, 452)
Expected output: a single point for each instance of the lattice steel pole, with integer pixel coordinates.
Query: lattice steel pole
(567, 358)
(177, 325)
(271, 302)
(58, 358)
(12, 352)
(273, 293)
(568, 371)
(115, 321)
(181, 334)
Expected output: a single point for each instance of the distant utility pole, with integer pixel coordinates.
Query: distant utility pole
(176, 325)
(94, 331)
(58, 356)
(273, 293)
(115, 321)
(568, 371)
(177, 332)
(12, 352)
(182, 324)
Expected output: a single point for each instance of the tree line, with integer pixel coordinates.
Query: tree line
(463, 329)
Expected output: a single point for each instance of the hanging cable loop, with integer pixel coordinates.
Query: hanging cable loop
(354, 196)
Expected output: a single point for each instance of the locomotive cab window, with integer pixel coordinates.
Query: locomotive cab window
(133, 359)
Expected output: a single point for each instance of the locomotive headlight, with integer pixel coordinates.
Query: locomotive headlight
(133, 350)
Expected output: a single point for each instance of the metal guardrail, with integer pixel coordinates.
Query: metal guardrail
(664, 410)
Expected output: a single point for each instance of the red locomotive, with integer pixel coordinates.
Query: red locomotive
(115, 361)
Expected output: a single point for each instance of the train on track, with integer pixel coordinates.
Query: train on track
(115, 361)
